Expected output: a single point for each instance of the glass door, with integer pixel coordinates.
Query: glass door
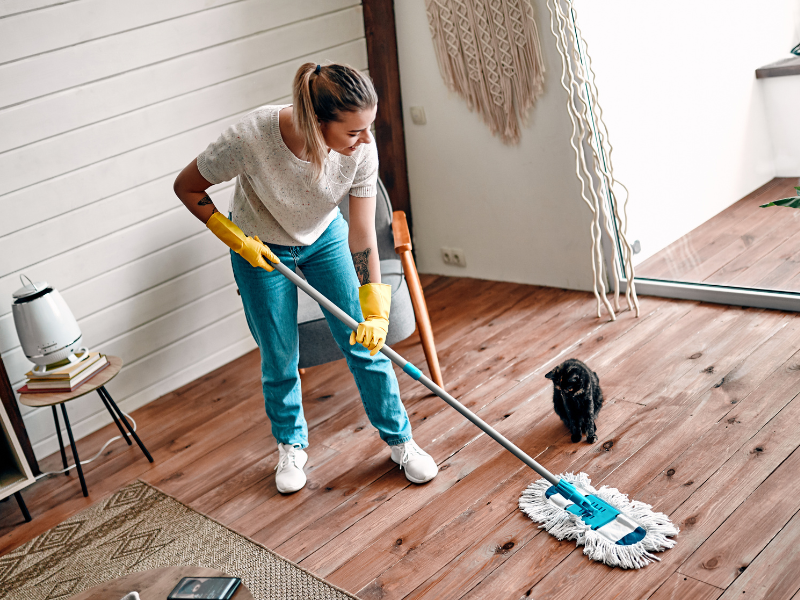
(744, 247)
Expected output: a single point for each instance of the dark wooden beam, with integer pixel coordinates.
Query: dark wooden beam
(10, 403)
(381, 36)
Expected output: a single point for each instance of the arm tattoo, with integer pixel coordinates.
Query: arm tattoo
(204, 200)
(361, 262)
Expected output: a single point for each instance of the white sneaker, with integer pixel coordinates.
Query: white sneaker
(290, 476)
(418, 464)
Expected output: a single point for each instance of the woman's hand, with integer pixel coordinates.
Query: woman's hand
(375, 300)
(252, 249)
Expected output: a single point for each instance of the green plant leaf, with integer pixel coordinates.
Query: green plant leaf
(790, 202)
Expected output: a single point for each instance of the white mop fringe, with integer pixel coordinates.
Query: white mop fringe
(563, 525)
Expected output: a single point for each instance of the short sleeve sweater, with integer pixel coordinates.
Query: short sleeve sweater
(276, 197)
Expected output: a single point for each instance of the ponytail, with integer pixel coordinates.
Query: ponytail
(321, 94)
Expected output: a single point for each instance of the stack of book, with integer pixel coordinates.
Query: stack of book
(64, 377)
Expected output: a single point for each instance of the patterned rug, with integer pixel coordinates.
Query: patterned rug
(140, 528)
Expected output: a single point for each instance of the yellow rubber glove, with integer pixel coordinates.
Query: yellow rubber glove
(375, 299)
(252, 249)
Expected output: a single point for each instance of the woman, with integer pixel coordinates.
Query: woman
(293, 165)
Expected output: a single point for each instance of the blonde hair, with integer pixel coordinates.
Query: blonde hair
(321, 94)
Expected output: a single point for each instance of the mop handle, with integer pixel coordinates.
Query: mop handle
(414, 372)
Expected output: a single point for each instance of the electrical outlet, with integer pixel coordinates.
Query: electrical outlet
(458, 258)
(454, 256)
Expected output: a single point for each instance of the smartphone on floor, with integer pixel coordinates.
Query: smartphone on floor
(209, 588)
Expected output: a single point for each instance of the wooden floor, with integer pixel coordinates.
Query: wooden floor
(744, 245)
(701, 420)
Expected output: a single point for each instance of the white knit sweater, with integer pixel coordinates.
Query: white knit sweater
(276, 197)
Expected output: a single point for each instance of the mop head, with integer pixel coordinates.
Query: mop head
(614, 530)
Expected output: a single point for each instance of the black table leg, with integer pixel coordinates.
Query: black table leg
(60, 439)
(122, 418)
(114, 416)
(74, 450)
(22, 507)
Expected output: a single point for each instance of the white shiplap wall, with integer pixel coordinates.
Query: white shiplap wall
(102, 103)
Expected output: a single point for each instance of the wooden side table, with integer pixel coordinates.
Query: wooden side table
(96, 383)
(155, 584)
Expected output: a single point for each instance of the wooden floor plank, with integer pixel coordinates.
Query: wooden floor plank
(669, 445)
(483, 351)
(773, 250)
(774, 573)
(156, 427)
(698, 517)
(732, 548)
(692, 391)
(689, 471)
(677, 414)
(402, 577)
(755, 235)
(424, 553)
(711, 409)
(496, 413)
(471, 566)
(681, 587)
(178, 451)
(781, 267)
(417, 554)
(707, 241)
(454, 424)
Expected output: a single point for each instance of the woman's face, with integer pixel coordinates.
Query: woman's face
(352, 130)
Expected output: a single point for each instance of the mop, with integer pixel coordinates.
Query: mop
(612, 529)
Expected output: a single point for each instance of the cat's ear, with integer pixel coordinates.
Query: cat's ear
(551, 374)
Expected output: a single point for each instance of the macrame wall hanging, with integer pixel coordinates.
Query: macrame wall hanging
(488, 52)
(593, 166)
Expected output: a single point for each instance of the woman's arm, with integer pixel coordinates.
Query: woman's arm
(190, 186)
(363, 241)
(375, 297)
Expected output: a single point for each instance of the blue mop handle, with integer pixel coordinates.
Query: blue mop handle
(563, 486)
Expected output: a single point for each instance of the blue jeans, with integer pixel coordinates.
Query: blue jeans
(270, 305)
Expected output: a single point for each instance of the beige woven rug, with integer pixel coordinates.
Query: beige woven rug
(140, 528)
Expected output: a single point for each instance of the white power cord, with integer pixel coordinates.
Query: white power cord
(87, 461)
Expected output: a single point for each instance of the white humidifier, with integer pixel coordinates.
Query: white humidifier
(46, 327)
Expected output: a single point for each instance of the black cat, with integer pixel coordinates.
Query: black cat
(577, 398)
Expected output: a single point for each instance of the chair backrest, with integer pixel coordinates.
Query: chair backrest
(316, 342)
(383, 221)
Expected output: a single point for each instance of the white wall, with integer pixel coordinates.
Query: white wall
(684, 110)
(514, 210)
(102, 102)
(783, 119)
